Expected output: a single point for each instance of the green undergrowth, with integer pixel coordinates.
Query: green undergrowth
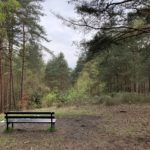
(10, 130)
(107, 99)
(122, 98)
(52, 129)
(1, 117)
(72, 111)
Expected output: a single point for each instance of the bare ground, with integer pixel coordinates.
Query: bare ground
(85, 128)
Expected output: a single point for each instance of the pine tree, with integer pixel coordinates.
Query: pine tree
(57, 73)
(32, 31)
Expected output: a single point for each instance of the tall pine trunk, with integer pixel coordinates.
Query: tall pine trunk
(1, 79)
(149, 85)
(23, 64)
(10, 76)
(11, 100)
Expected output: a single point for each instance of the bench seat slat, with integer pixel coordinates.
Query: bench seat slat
(23, 120)
(13, 112)
(40, 117)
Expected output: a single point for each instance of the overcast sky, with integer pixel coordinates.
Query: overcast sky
(61, 36)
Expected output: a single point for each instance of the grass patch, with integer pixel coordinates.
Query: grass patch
(10, 130)
(71, 111)
(52, 129)
(1, 117)
(70, 114)
(3, 140)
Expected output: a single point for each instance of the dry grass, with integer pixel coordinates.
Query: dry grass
(124, 127)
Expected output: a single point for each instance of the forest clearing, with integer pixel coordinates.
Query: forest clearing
(85, 128)
(85, 61)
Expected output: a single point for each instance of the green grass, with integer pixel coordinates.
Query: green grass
(9, 130)
(71, 111)
(60, 114)
(1, 117)
(3, 140)
(52, 129)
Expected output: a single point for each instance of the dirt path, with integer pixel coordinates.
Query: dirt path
(113, 128)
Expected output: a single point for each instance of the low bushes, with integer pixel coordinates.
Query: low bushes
(67, 98)
(74, 97)
(49, 99)
(122, 98)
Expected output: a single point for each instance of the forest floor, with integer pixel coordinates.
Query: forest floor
(124, 127)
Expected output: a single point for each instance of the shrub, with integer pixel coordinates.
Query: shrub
(110, 102)
(75, 96)
(132, 98)
(71, 97)
(50, 99)
(101, 99)
(36, 100)
(122, 98)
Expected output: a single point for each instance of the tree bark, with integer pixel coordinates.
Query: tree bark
(1, 79)
(11, 88)
(10, 76)
(149, 84)
(23, 63)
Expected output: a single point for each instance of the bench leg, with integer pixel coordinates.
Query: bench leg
(7, 126)
(52, 125)
(12, 125)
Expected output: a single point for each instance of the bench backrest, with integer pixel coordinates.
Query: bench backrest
(41, 115)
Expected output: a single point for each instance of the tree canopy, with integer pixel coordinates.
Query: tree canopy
(57, 73)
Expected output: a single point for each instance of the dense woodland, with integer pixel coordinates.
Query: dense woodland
(115, 60)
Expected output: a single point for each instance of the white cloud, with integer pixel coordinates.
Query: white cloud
(61, 36)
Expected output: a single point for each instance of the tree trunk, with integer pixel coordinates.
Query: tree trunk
(149, 84)
(13, 93)
(23, 64)
(10, 76)
(6, 94)
(1, 79)
(11, 88)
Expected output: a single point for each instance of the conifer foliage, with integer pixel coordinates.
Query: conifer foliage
(19, 26)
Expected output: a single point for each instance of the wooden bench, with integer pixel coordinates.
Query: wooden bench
(30, 117)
